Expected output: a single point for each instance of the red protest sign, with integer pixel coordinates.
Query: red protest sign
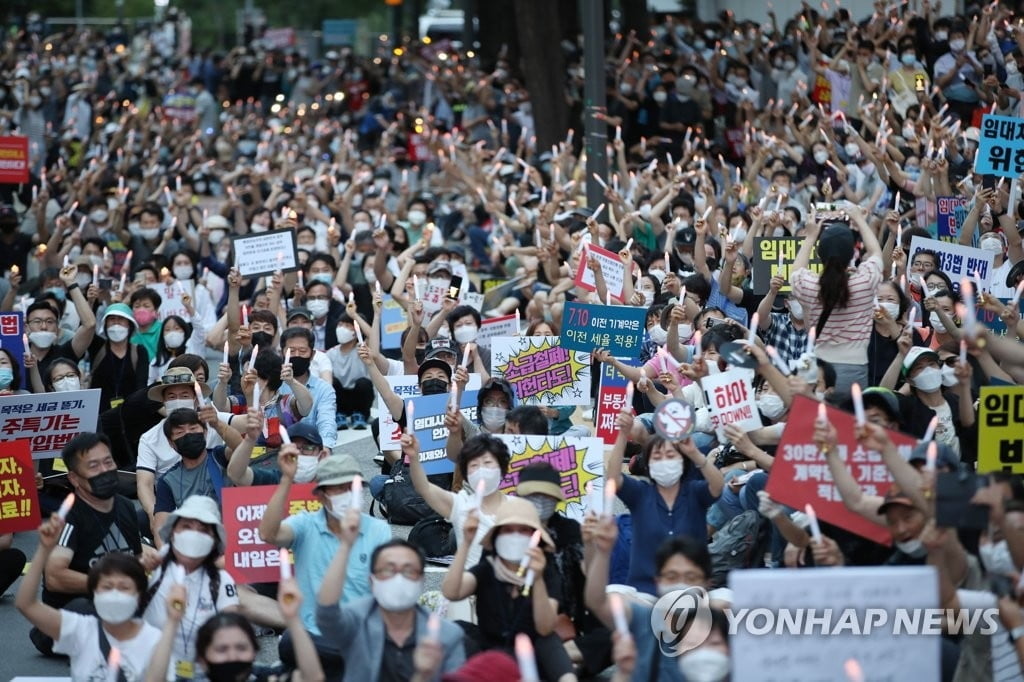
(19, 508)
(247, 557)
(800, 473)
(13, 160)
(612, 268)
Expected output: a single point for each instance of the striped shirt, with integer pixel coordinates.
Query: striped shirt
(1005, 664)
(847, 332)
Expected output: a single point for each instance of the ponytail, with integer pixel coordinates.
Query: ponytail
(833, 285)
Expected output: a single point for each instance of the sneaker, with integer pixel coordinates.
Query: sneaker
(341, 420)
(357, 421)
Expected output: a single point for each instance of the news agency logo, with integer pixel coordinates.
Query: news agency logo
(681, 620)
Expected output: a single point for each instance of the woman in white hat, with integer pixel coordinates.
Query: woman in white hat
(196, 539)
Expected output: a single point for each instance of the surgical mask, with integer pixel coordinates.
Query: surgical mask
(149, 234)
(491, 476)
(995, 557)
(60, 385)
(660, 96)
(625, 88)
(104, 485)
(891, 309)
(928, 379)
(6, 377)
(991, 245)
(345, 334)
(466, 333)
(193, 544)
(704, 665)
(257, 228)
(179, 404)
(324, 277)
(396, 593)
(820, 156)
(796, 309)
(98, 215)
(417, 218)
(59, 292)
(736, 80)
(512, 546)
(666, 472)
(305, 470)
(144, 316)
(851, 149)
(360, 225)
(738, 233)
(908, 59)
(937, 323)
(83, 280)
(657, 274)
(684, 330)
(789, 64)
(371, 276)
(340, 503)
(658, 334)
(941, 36)
(545, 505)
(114, 606)
(949, 376)
(493, 417)
(117, 332)
(191, 445)
(183, 271)
(699, 44)
(173, 339)
(957, 45)
(216, 236)
(318, 308)
(42, 339)
(771, 406)
(914, 548)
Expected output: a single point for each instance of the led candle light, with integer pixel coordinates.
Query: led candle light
(114, 663)
(524, 658)
(963, 352)
(95, 275)
(71, 211)
(597, 212)
(627, 405)
(199, 394)
(812, 334)
(302, 280)
(256, 397)
(858, 404)
(933, 456)
(618, 614)
(359, 332)
(518, 329)
(525, 561)
(409, 417)
(356, 498)
(245, 315)
(128, 262)
(609, 498)
(283, 432)
(179, 577)
(465, 355)
(929, 433)
(697, 352)
(911, 317)
(853, 671)
(813, 518)
(479, 499)
(65, 506)
(416, 287)
(971, 316)
(252, 360)
(753, 328)
(225, 360)
(286, 564)
(822, 414)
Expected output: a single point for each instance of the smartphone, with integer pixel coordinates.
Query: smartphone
(988, 181)
(106, 284)
(455, 289)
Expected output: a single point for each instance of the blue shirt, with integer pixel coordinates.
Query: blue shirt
(653, 522)
(717, 299)
(324, 407)
(647, 652)
(315, 546)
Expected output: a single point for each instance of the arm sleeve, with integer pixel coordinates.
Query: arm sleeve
(630, 491)
(164, 498)
(325, 406)
(228, 595)
(146, 458)
(73, 629)
(702, 491)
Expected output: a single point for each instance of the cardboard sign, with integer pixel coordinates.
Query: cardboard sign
(49, 420)
(407, 386)
(818, 647)
(392, 323)
(957, 261)
(1000, 147)
(612, 267)
(800, 473)
(947, 215)
(578, 460)
(992, 320)
(541, 371)
(730, 399)
(173, 299)
(496, 326)
(12, 328)
(611, 397)
(1001, 429)
(265, 253)
(674, 419)
(617, 328)
(432, 296)
(13, 160)
(19, 502)
(428, 422)
(767, 251)
(247, 557)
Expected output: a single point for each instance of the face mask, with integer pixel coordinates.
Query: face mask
(371, 277)
(491, 476)
(397, 593)
(223, 255)
(957, 45)
(114, 606)
(699, 44)
(59, 292)
(914, 548)
(360, 225)
(42, 339)
(684, 331)
(648, 297)
(173, 339)
(318, 308)
(941, 36)
(512, 546)
(949, 376)
(544, 504)
(300, 366)
(434, 387)
(257, 228)
(60, 386)
(820, 156)
(908, 59)
(103, 485)
(937, 323)
(229, 671)
(262, 339)
(738, 233)
(6, 376)
(625, 88)
(796, 309)
(851, 149)
(466, 333)
(191, 445)
(417, 218)
(98, 215)
(193, 544)
(345, 334)
(657, 274)
(789, 65)
(660, 96)
(928, 379)
(83, 280)
(183, 272)
(324, 277)
(992, 245)
(658, 334)
(179, 404)
(996, 558)
(340, 503)
(771, 406)
(216, 236)
(666, 472)
(683, 223)
(704, 665)
(891, 309)
(149, 234)
(144, 316)
(738, 81)
(493, 417)
(305, 471)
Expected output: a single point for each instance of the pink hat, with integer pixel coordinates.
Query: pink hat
(489, 666)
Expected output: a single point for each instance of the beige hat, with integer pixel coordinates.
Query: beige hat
(175, 375)
(515, 511)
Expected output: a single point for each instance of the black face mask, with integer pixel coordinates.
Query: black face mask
(712, 264)
(104, 486)
(421, 355)
(191, 445)
(232, 671)
(300, 366)
(434, 387)
(262, 339)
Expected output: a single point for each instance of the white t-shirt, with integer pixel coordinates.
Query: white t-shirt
(320, 364)
(156, 453)
(198, 610)
(462, 502)
(79, 639)
(945, 431)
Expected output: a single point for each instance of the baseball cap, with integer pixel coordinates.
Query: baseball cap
(434, 363)
(488, 666)
(306, 432)
(540, 479)
(336, 470)
(895, 497)
(439, 266)
(973, 133)
(686, 236)
(945, 457)
(915, 354)
(836, 243)
(300, 311)
(883, 399)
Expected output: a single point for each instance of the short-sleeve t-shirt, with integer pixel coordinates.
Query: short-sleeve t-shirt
(80, 639)
(501, 609)
(462, 503)
(180, 483)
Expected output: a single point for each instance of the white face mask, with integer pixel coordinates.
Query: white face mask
(666, 472)
(949, 376)
(305, 470)
(174, 339)
(257, 228)
(83, 280)
(658, 334)
(704, 665)
(512, 546)
(42, 339)
(820, 156)
(684, 330)
(114, 606)
(544, 504)
(417, 218)
(340, 503)
(648, 297)
(957, 45)
(193, 544)
(995, 557)
(396, 593)
(67, 384)
(914, 548)
(179, 404)
(493, 417)
(318, 308)
(491, 476)
(796, 309)
(738, 233)
(466, 333)
(216, 236)
(657, 273)
(345, 334)
(891, 309)
(772, 406)
(360, 225)
(991, 245)
(183, 272)
(117, 333)
(928, 379)
(937, 323)
(98, 215)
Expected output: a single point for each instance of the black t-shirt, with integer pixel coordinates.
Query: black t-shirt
(64, 350)
(501, 609)
(116, 377)
(15, 251)
(91, 534)
(396, 664)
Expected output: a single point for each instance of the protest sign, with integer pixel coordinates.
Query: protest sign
(488, 284)
(247, 557)
(496, 326)
(541, 371)
(993, 320)
(265, 253)
(173, 299)
(730, 399)
(618, 329)
(767, 251)
(947, 213)
(12, 328)
(473, 300)
(611, 396)
(428, 422)
(432, 296)
(577, 460)
(392, 323)
(13, 160)
(612, 267)
(674, 419)
(496, 290)
(50, 420)
(1000, 147)
(806, 624)
(1001, 429)
(408, 386)
(19, 501)
(800, 473)
(957, 261)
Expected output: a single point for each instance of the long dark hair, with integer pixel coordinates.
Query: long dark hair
(165, 354)
(834, 285)
(209, 565)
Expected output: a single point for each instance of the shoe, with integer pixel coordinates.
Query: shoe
(357, 421)
(341, 420)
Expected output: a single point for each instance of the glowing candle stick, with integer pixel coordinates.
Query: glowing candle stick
(252, 360)
(609, 497)
(933, 456)
(525, 659)
(618, 614)
(697, 336)
(858, 404)
(65, 506)
(853, 671)
(356, 498)
(199, 394)
(409, 417)
(929, 433)
(465, 355)
(813, 518)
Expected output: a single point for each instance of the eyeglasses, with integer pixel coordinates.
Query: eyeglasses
(177, 379)
(43, 322)
(62, 377)
(309, 449)
(410, 572)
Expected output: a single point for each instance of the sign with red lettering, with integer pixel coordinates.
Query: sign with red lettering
(611, 397)
(612, 269)
(800, 474)
(49, 420)
(730, 399)
(12, 329)
(13, 160)
(247, 557)
(19, 502)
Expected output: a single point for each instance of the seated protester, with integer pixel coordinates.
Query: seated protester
(313, 537)
(177, 338)
(118, 366)
(263, 335)
(145, 305)
(10, 374)
(881, 407)
(504, 605)
(734, 278)
(891, 312)
(483, 462)
(494, 400)
(100, 522)
(384, 636)
(116, 584)
(320, 365)
(42, 325)
(673, 503)
(526, 420)
(303, 436)
(464, 326)
(325, 310)
(298, 344)
(197, 540)
(783, 331)
(353, 389)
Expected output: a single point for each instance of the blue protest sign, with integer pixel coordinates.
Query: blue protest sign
(992, 320)
(392, 323)
(617, 328)
(12, 329)
(1000, 147)
(428, 421)
(949, 217)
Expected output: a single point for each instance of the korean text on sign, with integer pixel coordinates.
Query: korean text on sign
(612, 269)
(611, 397)
(957, 261)
(616, 328)
(947, 210)
(730, 398)
(769, 252)
(577, 460)
(48, 420)
(265, 253)
(1001, 429)
(1000, 147)
(540, 371)
(19, 503)
(11, 330)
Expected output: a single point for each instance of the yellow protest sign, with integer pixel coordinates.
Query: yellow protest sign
(1001, 429)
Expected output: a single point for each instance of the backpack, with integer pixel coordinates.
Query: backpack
(435, 537)
(741, 543)
(400, 503)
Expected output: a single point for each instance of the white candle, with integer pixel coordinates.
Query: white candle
(283, 432)
(930, 431)
(356, 498)
(697, 337)
(858, 404)
(434, 620)
(245, 315)
(479, 499)
(597, 212)
(286, 564)
(416, 287)
(822, 414)
(971, 317)
(753, 328)
(252, 360)
(525, 561)
(813, 518)
(963, 352)
(65, 506)
(609, 497)
(933, 456)
(811, 336)
(518, 329)
(524, 657)
(225, 360)
(618, 614)
(409, 425)
(359, 332)
(113, 664)
(199, 394)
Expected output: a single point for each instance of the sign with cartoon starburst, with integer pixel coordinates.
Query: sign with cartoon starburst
(579, 462)
(541, 371)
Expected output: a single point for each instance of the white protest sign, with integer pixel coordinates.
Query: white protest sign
(612, 268)
(957, 261)
(730, 399)
(405, 386)
(473, 300)
(804, 624)
(494, 327)
(265, 253)
(433, 296)
(49, 420)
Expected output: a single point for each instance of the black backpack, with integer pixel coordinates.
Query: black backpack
(399, 501)
(741, 543)
(436, 539)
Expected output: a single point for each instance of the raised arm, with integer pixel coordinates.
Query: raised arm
(41, 615)
(459, 583)
(436, 497)
(272, 529)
